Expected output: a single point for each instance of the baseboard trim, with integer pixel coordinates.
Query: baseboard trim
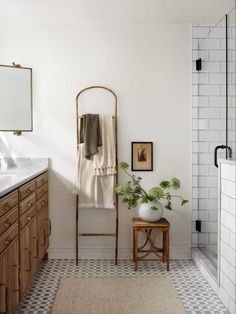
(107, 252)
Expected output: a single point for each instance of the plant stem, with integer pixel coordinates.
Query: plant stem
(137, 184)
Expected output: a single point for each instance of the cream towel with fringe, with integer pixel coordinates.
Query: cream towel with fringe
(105, 159)
(94, 191)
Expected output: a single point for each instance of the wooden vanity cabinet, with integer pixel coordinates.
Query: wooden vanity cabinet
(24, 239)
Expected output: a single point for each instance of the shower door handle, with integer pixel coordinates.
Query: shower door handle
(216, 152)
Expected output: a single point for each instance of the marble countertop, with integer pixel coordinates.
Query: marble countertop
(16, 171)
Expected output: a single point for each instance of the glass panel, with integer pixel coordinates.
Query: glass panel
(231, 114)
(211, 133)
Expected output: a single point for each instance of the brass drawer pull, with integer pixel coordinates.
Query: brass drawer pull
(7, 206)
(29, 190)
(18, 277)
(29, 204)
(29, 256)
(5, 298)
(29, 218)
(43, 203)
(7, 241)
(37, 247)
(7, 224)
(49, 227)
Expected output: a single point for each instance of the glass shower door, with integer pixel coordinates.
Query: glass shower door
(212, 135)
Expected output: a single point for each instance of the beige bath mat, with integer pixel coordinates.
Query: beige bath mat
(116, 295)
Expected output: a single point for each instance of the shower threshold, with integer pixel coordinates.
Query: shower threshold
(206, 262)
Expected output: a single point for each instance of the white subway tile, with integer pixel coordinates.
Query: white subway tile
(209, 44)
(208, 204)
(217, 55)
(203, 215)
(194, 181)
(203, 238)
(212, 170)
(217, 101)
(229, 287)
(203, 193)
(195, 113)
(203, 170)
(228, 188)
(213, 238)
(205, 159)
(194, 170)
(209, 90)
(194, 90)
(228, 253)
(218, 32)
(194, 136)
(202, 101)
(194, 192)
(195, 204)
(213, 216)
(195, 44)
(228, 221)
(210, 113)
(194, 215)
(209, 136)
(211, 67)
(202, 124)
(225, 234)
(228, 204)
(210, 227)
(232, 240)
(217, 78)
(208, 182)
(194, 238)
(200, 32)
(213, 193)
(224, 296)
(203, 147)
(217, 124)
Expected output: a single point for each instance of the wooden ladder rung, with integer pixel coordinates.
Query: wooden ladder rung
(98, 234)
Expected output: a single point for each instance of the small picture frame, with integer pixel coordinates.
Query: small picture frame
(142, 156)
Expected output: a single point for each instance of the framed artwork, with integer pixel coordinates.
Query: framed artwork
(142, 156)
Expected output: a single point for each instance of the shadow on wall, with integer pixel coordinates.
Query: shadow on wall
(4, 148)
(61, 200)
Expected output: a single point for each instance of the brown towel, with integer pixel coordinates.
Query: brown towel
(90, 134)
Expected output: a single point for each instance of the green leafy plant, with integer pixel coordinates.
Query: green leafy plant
(133, 193)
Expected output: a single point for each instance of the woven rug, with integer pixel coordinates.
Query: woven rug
(116, 295)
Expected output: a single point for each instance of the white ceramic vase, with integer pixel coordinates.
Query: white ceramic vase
(147, 212)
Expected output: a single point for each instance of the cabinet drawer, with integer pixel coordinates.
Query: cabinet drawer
(8, 202)
(42, 179)
(27, 217)
(27, 203)
(42, 202)
(41, 191)
(8, 220)
(7, 237)
(27, 189)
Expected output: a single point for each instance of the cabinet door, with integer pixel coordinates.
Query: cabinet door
(43, 230)
(25, 258)
(9, 278)
(4, 288)
(13, 275)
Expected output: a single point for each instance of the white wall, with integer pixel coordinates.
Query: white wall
(149, 67)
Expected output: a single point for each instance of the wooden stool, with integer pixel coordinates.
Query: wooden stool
(151, 230)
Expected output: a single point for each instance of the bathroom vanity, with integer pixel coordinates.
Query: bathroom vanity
(25, 227)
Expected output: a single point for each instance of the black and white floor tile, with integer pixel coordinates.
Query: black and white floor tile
(193, 290)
